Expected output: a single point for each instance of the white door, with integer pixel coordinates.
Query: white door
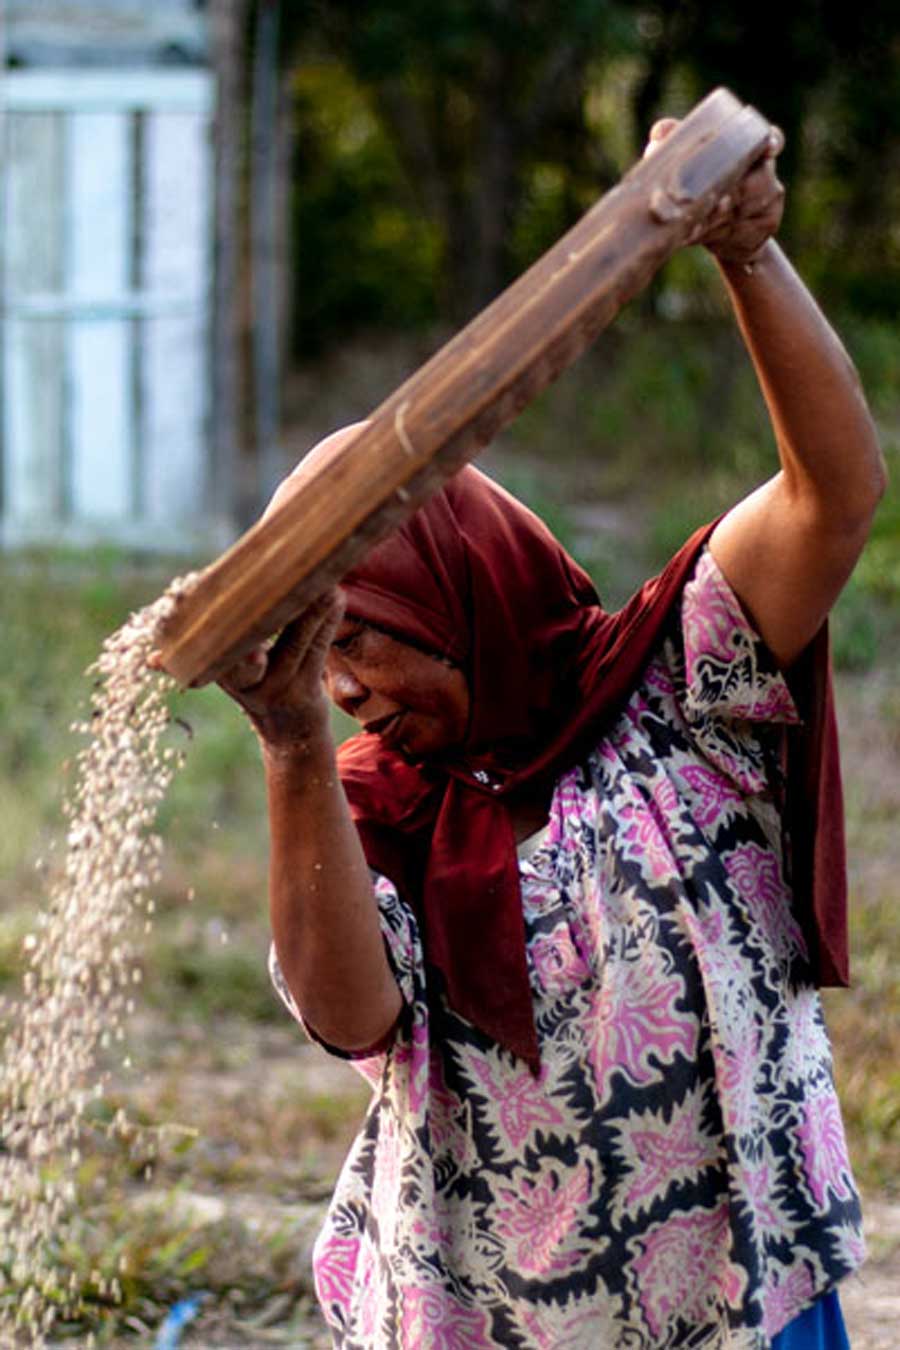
(105, 280)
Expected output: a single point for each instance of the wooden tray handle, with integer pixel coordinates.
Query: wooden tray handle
(356, 492)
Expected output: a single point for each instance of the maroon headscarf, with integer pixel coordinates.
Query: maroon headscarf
(477, 577)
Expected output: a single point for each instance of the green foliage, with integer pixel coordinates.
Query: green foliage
(131, 1257)
(439, 149)
(858, 623)
(871, 602)
(220, 786)
(874, 345)
(363, 256)
(208, 971)
(878, 571)
(55, 610)
(482, 110)
(679, 402)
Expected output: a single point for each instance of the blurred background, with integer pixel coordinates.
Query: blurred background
(228, 228)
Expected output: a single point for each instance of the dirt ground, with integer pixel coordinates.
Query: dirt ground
(871, 1301)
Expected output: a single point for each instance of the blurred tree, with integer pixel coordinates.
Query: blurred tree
(437, 149)
(771, 54)
(828, 73)
(474, 95)
(861, 149)
(364, 254)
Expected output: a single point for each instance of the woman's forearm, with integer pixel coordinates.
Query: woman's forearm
(324, 916)
(788, 548)
(826, 437)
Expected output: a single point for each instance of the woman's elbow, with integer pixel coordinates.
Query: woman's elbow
(880, 475)
(848, 508)
(872, 486)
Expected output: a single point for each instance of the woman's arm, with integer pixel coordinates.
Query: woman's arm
(323, 911)
(789, 547)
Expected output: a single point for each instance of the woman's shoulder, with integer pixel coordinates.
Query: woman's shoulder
(728, 670)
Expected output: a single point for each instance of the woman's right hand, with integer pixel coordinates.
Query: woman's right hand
(281, 689)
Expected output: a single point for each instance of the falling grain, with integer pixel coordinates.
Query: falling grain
(80, 973)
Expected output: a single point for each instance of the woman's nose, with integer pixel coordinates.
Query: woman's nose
(345, 688)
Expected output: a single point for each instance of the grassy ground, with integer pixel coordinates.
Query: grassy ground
(245, 1124)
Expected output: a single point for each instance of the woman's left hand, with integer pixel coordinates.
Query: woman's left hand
(744, 220)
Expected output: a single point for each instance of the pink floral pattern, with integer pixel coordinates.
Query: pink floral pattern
(722, 666)
(785, 1300)
(760, 1184)
(633, 1026)
(552, 1328)
(334, 1269)
(678, 1169)
(714, 795)
(387, 1177)
(432, 1317)
(661, 1149)
(369, 1311)
(522, 1103)
(757, 879)
(824, 1148)
(644, 840)
(539, 1217)
(557, 962)
(684, 1266)
(738, 1066)
(445, 1114)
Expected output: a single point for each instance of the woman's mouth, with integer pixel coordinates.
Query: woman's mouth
(383, 726)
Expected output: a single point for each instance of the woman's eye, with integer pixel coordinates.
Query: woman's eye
(347, 642)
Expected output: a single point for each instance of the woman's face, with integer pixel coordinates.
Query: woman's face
(417, 703)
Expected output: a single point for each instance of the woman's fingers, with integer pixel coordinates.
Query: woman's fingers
(743, 220)
(757, 204)
(248, 672)
(305, 641)
(287, 674)
(658, 133)
(288, 706)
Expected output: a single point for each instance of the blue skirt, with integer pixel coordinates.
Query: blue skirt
(820, 1327)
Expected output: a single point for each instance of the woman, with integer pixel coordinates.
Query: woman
(567, 897)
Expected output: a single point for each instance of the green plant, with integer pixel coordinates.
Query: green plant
(191, 967)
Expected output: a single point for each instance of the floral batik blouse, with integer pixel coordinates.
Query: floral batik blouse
(677, 1175)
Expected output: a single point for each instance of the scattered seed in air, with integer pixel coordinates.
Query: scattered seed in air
(80, 968)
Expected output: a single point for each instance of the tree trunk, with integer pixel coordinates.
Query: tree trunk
(266, 267)
(228, 26)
